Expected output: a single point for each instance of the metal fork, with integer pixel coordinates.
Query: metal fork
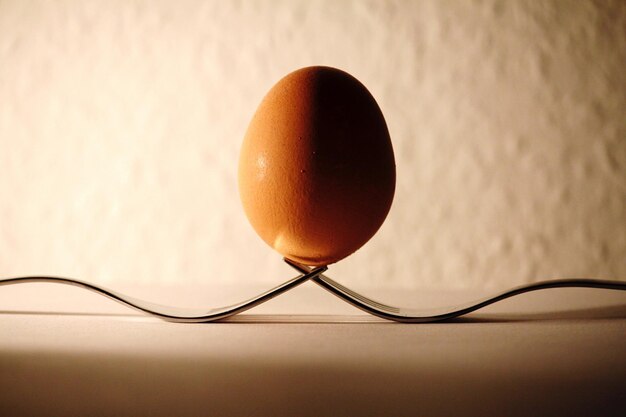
(411, 315)
(406, 315)
(175, 314)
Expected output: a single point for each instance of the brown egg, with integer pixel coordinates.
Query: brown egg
(316, 171)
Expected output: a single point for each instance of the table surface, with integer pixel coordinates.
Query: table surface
(65, 351)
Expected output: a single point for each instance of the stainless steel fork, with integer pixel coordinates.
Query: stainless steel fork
(412, 315)
(175, 314)
(406, 315)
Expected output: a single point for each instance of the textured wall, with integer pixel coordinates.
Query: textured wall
(120, 125)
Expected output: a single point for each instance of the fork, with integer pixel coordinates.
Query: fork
(175, 314)
(406, 315)
(412, 315)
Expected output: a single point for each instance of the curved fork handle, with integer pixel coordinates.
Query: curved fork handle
(175, 314)
(406, 315)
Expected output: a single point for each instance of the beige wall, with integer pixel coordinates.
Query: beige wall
(120, 125)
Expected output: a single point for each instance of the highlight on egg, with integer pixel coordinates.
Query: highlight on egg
(316, 170)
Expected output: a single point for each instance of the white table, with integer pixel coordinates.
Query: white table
(67, 352)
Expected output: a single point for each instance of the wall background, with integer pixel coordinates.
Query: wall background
(120, 125)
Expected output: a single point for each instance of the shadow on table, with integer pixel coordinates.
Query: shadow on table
(596, 313)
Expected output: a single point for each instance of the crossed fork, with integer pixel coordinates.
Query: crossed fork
(405, 315)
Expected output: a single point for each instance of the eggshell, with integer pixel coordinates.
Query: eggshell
(316, 171)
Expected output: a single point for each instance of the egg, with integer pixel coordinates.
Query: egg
(316, 171)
